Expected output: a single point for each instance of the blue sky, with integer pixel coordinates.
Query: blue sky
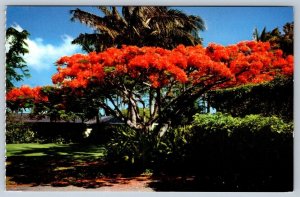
(51, 30)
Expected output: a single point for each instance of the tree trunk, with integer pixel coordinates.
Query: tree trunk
(151, 104)
(207, 103)
(158, 101)
(97, 119)
(133, 115)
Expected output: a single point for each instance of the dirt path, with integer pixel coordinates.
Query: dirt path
(133, 184)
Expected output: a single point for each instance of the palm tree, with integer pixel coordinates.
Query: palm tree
(287, 41)
(259, 36)
(140, 26)
(277, 39)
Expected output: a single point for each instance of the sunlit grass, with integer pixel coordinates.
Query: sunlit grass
(76, 151)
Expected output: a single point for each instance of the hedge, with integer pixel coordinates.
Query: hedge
(267, 99)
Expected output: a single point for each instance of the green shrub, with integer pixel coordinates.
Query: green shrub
(130, 148)
(254, 144)
(254, 123)
(143, 150)
(267, 99)
(20, 133)
(211, 140)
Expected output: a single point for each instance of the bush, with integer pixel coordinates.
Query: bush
(254, 123)
(251, 152)
(211, 140)
(138, 150)
(130, 148)
(20, 133)
(267, 99)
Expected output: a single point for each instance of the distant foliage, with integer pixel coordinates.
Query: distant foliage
(278, 40)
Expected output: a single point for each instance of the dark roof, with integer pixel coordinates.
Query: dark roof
(110, 120)
(26, 118)
(105, 120)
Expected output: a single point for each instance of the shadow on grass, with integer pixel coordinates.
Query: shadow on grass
(60, 165)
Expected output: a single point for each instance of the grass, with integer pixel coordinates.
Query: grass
(74, 151)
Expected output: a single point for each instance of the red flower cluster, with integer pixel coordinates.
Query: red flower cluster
(26, 94)
(241, 63)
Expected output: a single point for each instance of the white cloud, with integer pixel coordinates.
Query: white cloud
(42, 56)
(17, 27)
(9, 39)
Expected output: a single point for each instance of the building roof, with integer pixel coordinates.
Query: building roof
(25, 117)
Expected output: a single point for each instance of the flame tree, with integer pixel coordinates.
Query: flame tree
(163, 81)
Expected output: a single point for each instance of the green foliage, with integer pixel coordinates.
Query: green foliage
(141, 112)
(212, 144)
(143, 150)
(130, 147)
(16, 68)
(253, 123)
(254, 143)
(19, 133)
(172, 147)
(267, 99)
(63, 105)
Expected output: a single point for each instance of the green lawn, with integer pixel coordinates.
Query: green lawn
(75, 151)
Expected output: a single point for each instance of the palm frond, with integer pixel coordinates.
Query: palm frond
(93, 21)
(105, 10)
(143, 25)
(263, 35)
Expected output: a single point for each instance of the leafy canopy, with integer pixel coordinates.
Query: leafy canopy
(137, 25)
(16, 68)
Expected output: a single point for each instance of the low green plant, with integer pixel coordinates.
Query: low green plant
(19, 133)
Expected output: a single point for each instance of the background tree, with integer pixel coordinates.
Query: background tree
(16, 68)
(141, 26)
(278, 40)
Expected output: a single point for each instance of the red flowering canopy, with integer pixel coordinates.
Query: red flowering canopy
(25, 96)
(168, 79)
(246, 62)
